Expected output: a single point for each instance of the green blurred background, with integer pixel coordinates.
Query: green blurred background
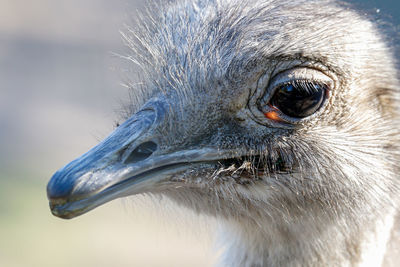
(59, 95)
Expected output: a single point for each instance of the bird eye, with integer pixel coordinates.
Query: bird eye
(292, 95)
(298, 98)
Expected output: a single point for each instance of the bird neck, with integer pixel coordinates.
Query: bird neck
(307, 243)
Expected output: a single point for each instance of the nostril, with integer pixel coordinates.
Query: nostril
(142, 152)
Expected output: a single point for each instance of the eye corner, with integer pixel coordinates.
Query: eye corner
(273, 114)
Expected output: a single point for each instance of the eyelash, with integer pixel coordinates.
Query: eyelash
(305, 85)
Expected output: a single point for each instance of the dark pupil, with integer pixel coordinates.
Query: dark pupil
(298, 99)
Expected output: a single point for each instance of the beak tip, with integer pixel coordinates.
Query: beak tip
(59, 188)
(60, 208)
(62, 215)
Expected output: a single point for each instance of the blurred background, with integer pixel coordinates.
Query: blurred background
(60, 94)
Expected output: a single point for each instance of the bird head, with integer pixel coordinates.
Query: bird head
(249, 108)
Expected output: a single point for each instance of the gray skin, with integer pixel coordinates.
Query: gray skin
(315, 191)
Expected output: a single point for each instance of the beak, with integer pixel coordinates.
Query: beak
(127, 162)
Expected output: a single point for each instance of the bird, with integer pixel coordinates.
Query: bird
(279, 118)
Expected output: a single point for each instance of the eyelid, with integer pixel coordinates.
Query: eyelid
(300, 74)
(295, 74)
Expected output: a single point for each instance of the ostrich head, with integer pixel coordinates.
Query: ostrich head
(277, 117)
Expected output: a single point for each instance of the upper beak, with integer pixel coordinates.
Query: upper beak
(127, 162)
